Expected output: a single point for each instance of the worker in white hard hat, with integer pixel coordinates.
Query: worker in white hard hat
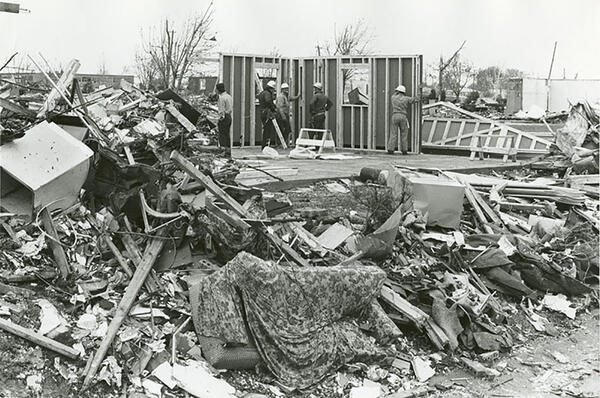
(266, 100)
(283, 110)
(399, 123)
(319, 105)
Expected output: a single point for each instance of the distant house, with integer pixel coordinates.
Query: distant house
(523, 93)
(94, 79)
(107, 80)
(201, 84)
(484, 103)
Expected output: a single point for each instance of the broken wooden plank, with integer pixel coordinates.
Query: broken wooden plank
(4, 289)
(117, 253)
(150, 255)
(208, 183)
(38, 339)
(230, 219)
(60, 87)
(16, 108)
(189, 126)
(133, 252)
(285, 248)
(402, 305)
(57, 250)
(416, 315)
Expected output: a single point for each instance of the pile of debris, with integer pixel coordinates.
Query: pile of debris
(576, 142)
(119, 115)
(131, 255)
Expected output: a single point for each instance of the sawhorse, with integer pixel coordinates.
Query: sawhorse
(326, 140)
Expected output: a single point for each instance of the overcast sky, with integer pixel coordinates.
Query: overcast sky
(509, 33)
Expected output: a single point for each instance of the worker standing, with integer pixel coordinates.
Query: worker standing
(319, 105)
(266, 100)
(283, 110)
(225, 107)
(400, 104)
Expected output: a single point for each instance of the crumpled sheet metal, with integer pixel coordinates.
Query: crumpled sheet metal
(304, 321)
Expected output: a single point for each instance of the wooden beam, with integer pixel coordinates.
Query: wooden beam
(120, 259)
(15, 108)
(230, 219)
(243, 102)
(387, 104)
(57, 250)
(207, 183)
(60, 87)
(38, 339)
(189, 126)
(150, 255)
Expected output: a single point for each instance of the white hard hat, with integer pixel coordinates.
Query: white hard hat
(284, 85)
(271, 83)
(318, 85)
(401, 88)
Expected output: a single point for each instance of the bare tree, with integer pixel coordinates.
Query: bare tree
(458, 74)
(145, 70)
(442, 67)
(354, 39)
(173, 51)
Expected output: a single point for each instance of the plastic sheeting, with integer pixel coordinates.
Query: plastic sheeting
(304, 321)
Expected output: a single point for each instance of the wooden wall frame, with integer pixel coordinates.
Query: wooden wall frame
(354, 126)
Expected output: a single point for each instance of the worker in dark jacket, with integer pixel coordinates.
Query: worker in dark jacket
(400, 105)
(319, 104)
(266, 100)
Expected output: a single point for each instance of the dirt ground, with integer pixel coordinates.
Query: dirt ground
(531, 370)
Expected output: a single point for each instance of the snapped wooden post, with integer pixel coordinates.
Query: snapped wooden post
(57, 250)
(150, 255)
(38, 338)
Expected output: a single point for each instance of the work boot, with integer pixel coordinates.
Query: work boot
(404, 152)
(390, 152)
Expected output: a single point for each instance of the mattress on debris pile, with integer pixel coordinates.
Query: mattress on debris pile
(303, 321)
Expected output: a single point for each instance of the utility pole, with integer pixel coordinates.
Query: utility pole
(443, 66)
(548, 79)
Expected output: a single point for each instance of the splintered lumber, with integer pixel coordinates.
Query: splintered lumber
(189, 126)
(231, 219)
(401, 305)
(285, 248)
(57, 250)
(120, 259)
(144, 267)
(213, 188)
(60, 87)
(16, 108)
(4, 289)
(207, 183)
(418, 317)
(39, 339)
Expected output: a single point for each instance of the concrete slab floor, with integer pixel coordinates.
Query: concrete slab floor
(316, 169)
